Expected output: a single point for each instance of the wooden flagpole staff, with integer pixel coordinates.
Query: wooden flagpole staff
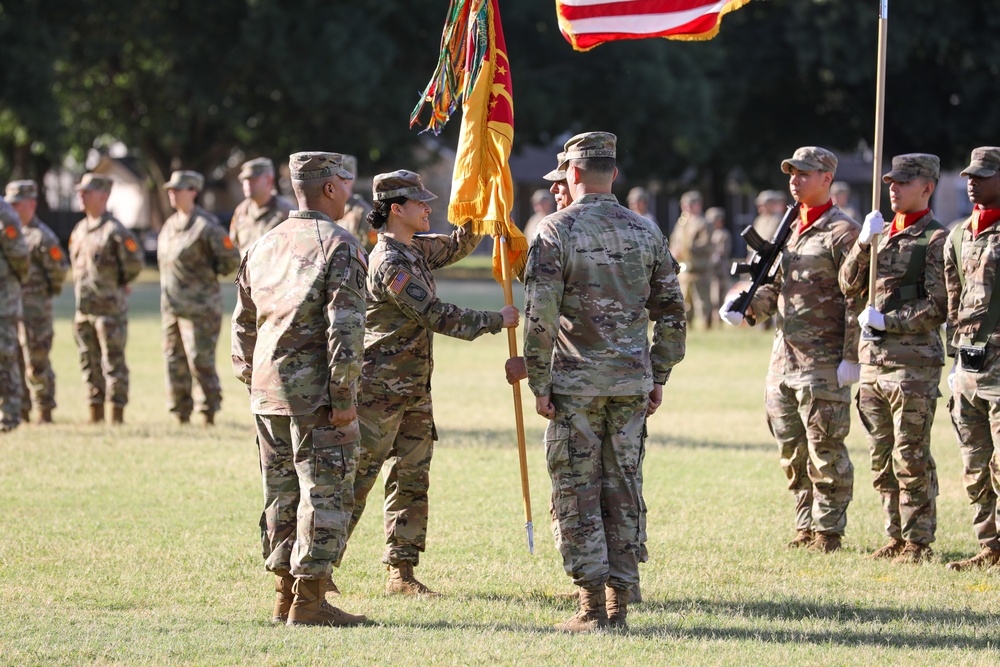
(883, 29)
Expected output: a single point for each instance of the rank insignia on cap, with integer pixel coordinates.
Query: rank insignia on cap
(399, 282)
(130, 245)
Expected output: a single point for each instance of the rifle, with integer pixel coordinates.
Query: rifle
(763, 267)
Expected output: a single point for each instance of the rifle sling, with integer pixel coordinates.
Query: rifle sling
(992, 317)
(911, 286)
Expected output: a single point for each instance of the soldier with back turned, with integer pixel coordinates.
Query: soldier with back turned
(13, 271)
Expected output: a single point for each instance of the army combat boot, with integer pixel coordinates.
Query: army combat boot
(913, 553)
(401, 580)
(309, 607)
(803, 538)
(617, 606)
(592, 614)
(984, 558)
(283, 583)
(96, 413)
(890, 550)
(117, 414)
(825, 543)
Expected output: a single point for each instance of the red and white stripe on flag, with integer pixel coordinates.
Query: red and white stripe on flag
(589, 23)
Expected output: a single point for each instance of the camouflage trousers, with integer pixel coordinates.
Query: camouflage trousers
(593, 451)
(977, 425)
(189, 348)
(397, 437)
(897, 406)
(697, 291)
(101, 342)
(35, 336)
(10, 373)
(308, 469)
(810, 423)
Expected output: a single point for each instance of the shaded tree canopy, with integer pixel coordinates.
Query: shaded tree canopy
(187, 82)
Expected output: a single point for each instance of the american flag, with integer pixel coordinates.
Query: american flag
(589, 23)
(399, 282)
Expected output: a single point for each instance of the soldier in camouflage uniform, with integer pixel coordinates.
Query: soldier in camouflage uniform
(192, 251)
(722, 254)
(262, 210)
(298, 332)
(395, 410)
(770, 207)
(47, 270)
(105, 257)
(597, 275)
(13, 272)
(356, 212)
(970, 262)
(815, 355)
(691, 244)
(901, 368)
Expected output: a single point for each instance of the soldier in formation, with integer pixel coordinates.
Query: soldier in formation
(297, 337)
(691, 244)
(13, 272)
(355, 219)
(902, 354)
(47, 268)
(192, 251)
(105, 257)
(262, 210)
(638, 202)
(722, 254)
(840, 192)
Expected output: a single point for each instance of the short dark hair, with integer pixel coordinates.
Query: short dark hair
(595, 165)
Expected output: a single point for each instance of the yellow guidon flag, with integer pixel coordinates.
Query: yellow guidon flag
(473, 69)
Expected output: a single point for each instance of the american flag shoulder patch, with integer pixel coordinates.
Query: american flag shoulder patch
(399, 282)
(362, 257)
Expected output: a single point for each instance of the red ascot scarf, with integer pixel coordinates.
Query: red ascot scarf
(982, 218)
(904, 220)
(808, 215)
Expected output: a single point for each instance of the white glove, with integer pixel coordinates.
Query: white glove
(872, 319)
(874, 224)
(951, 377)
(848, 373)
(682, 268)
(732, 317)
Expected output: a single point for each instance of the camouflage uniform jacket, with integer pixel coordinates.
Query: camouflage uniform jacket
(299, 323)
(912, 337)
(597, 274)
(47, 267)
(251, 221)
(691, 243)
(13, 262)
(105, 256)
(817, 325)
(355, 221)
(404, 312)
(192, 252)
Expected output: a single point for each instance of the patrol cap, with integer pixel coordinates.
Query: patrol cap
(810, 158)
(985, 162)
(259, 166)
(839, 186)
(350, 163)
(907, 167)
(559, 173)
(637, 193)
(400, 183)
(767, 196)
(20, 190)
(92, 181)
(589, 144)
(690, 197)
(311, 165)
(715, 213)
(540, 195)
(185, 180)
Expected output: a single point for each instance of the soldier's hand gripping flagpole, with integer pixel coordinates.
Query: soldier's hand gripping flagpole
(508, 298)
(883, 29)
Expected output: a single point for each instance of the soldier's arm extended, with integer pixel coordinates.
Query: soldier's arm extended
(444, 249)
(12, 243)
(543, 292)
(666, 310)
(853, 274)
(225, 252)
(927, 314)
(414, 298)
(345, 322)
(845, 237)
(130, 257)
(953, 286)
(244, 329)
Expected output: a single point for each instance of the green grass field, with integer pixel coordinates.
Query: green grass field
(139, 544)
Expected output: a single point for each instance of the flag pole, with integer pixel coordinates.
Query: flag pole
(883, 29)
(508, 298)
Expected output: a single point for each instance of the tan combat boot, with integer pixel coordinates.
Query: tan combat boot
(617, 606)
(890, 550)
(825, 543)
(913, 553)
(283, 583)
(593, 612)
(984, 558)
(803, 538)
(96, 413)
(117, 414)
(45, 416)
(401, 580)
(309, 607)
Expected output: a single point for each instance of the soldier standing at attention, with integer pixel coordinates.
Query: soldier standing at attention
(262, 210)
(297, 338)
(47, 268)
(192, 251)
(970, 263)
(638, 202)
(395, 410)
(901, 370)
(770, 207)
(105, 257)
(542, 205)
(356, 212)
(691, 244)
(815, 355)
(841, 194)
(722, 254)
(594, 376)
(13, 272)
